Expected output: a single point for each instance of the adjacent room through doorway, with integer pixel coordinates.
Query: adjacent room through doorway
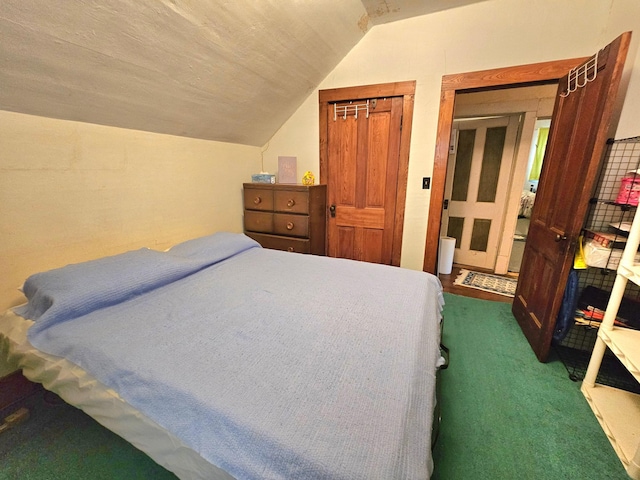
(528, 194)
(490, 168)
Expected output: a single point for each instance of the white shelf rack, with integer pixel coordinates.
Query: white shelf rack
(618, 411)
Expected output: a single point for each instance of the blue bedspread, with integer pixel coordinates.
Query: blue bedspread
(267, 363)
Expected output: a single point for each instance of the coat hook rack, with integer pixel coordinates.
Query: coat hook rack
(344, 110)
(579, 76)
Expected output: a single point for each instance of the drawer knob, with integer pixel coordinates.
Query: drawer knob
(290, 249)
(257, 200)
(291, 202)
(289, 225)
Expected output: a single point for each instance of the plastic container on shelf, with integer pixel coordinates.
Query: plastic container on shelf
(629, 192)
(595, 255)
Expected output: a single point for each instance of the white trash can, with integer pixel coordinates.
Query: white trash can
(445, 255)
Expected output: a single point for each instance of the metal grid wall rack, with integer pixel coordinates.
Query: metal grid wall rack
(622, 156)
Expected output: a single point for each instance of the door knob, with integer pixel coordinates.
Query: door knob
(332, 210)
(560, 237)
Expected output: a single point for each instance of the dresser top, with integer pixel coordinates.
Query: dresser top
(280, 186)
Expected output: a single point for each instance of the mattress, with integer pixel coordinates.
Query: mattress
(80, 389)
(280, 365)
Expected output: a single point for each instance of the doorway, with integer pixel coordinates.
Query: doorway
(529, 104)
(486, 80)
(578, 135)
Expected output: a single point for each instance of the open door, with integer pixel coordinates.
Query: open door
(575, 147)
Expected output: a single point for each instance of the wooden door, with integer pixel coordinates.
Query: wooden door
(478, 176)
(577, 139)
(363, 170)
(365, 153)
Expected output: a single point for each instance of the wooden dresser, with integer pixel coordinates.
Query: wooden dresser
(286, 217)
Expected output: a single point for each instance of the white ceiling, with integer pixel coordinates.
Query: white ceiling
(227, 70)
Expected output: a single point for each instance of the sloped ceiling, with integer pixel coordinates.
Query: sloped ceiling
(226, 70)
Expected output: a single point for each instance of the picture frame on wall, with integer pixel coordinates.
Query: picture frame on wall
(287, 169)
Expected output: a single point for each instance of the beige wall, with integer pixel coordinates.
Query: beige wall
(74, 191)
(491, 34)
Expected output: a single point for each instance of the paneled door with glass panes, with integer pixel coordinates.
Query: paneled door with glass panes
(478, 177)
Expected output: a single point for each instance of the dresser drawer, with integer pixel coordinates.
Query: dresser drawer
(255, 221)
(275, 242)
(296, 225)
(291, 201)
(258, 199)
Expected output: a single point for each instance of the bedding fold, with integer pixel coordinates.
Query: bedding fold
(75, 290)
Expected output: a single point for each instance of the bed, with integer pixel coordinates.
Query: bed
(221, 359)
(527, 199)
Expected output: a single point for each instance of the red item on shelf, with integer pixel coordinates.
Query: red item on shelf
(629, 192)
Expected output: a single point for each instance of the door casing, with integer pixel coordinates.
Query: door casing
(522, 75)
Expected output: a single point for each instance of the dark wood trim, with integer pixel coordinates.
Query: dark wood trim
(396, 89)
(407, 91)
(517, 76)
(403, 175)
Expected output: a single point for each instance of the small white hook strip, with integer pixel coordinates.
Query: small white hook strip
(574, 81)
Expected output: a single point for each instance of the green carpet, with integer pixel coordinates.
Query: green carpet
(60, 442)
(505, 416)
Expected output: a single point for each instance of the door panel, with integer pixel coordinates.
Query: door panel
(373, 239)
(477, 186)
(480, 235)
(345, 239)
(363, 178)
(579, 130)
